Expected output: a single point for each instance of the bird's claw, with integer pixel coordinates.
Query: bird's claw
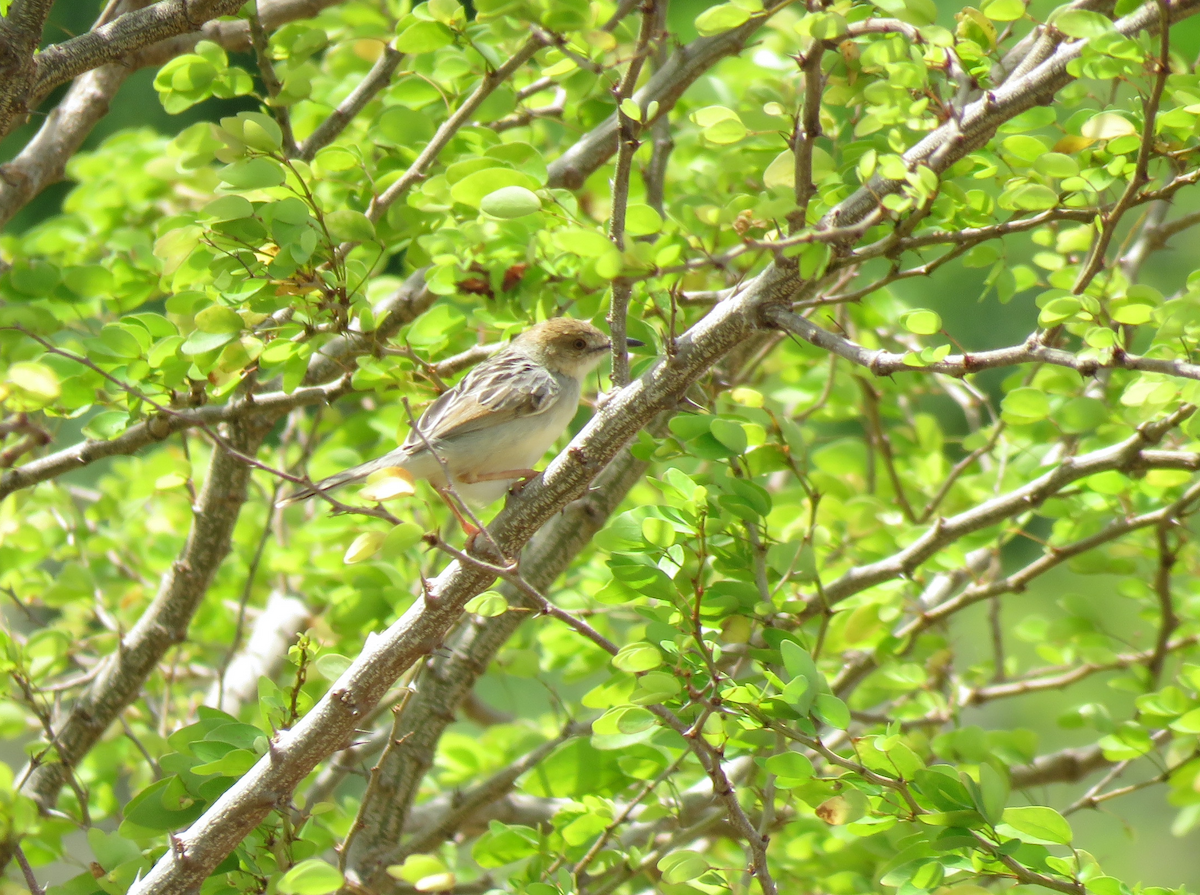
(519, 484)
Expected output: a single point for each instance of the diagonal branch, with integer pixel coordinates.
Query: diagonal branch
(1033, 351)
(20, 36)
(164, 623)
(44, 158)
(376, 79)
(417, 170)
(114, 40)
(444, 686)
(1124, 456)
(685, 66)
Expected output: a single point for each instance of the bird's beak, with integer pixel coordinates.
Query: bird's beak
(635, 343)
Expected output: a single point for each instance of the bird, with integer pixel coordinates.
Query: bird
(482, 436)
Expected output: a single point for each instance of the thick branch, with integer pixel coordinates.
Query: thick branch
(20, 35)
(44, 158)
(162, 625)
(1067, 766)
(444, 686)
(126, 34)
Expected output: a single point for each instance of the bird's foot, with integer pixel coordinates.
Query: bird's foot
(519, 485)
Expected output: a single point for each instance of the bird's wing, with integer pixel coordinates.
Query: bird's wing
(501, 389)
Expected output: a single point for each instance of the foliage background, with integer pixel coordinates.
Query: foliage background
(1133, 841)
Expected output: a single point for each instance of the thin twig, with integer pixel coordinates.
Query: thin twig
(628, 130)
(1140, 175)
(266, 69)
(375, 80)
(30, 879)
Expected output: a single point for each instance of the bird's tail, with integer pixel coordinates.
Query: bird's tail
(346, 477)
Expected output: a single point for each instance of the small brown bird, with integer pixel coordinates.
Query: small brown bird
(489, 430)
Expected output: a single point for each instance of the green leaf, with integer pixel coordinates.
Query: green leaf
(311, 877)
(1107, 126)
(642, 220)
(260, 131)
(1081, 23)
(725, 131)
(364, 546)
(798, 662)
(472, 189)
(488, 604)
(923, 322)
(1003, 10)
(504, 844)
(36, 382)
(658, 532)
(681, 866)
(1034, 197)
(424, 37)
(1025, 405)
(915, 12)
(227, 208)
(790, 766)
(1058, 310)
(635, 657)
(347, 224)
(717, 19)
(1056, 164)
(832, 711)
(252, 174)
(447, 11)
(730, 433)
(510, 202)
(331, 666)
(1024, 147)
(399, 126)
(1038, 823)
(993, 793)
(1080, 415)
(401, 539)
(1187, 723)
(201, 342)
(218, 319)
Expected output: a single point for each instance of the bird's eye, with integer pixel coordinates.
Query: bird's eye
(579, 344)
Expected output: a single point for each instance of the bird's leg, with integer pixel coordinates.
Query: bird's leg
(523, 474)
(521, 477)
(470, 529)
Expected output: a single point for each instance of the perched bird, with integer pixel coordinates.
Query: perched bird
(488, 430)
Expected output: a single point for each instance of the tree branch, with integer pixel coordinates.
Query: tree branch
(44, 158)
(114, 40)
(887, 363)
(668, 84)
(160, 427)
(628, 129)
(162, 625)
(1124, 456)
(444, 685)
(416, 171)
(376, 79)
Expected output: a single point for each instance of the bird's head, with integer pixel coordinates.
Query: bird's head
(564, 345)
